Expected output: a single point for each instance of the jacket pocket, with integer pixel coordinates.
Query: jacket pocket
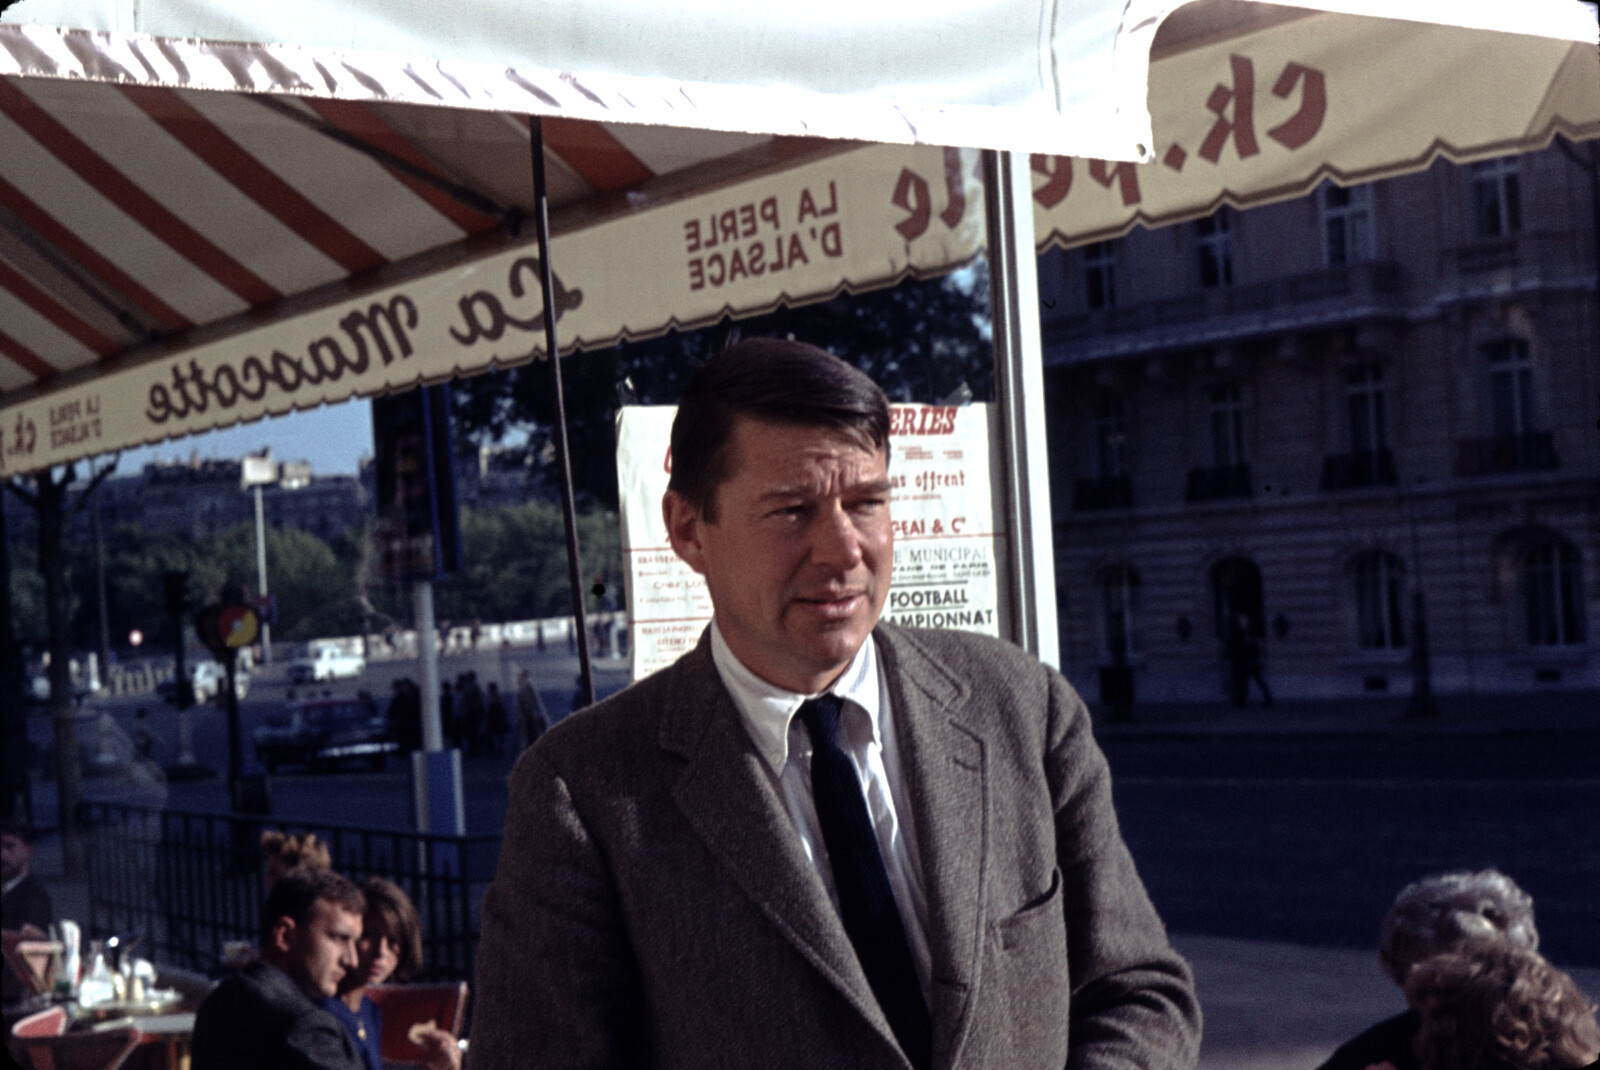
(1031, 984)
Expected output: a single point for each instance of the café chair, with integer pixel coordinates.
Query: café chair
(78, 1051)
(404, 1006)
(50, 1022)
(31, 959)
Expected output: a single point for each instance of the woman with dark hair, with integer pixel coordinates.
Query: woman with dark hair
(390, 949)
(1500, 1007)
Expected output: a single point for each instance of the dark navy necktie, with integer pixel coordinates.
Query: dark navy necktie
(866, 900)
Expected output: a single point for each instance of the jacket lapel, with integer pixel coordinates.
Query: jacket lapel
(944, 767)
(728, 797)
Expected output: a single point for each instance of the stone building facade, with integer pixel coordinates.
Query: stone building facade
(1310, 419)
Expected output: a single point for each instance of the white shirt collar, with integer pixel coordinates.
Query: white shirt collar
(767, 709)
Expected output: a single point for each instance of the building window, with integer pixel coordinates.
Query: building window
(1227, 426)
(1100, 274)
(1497, 197)
(1550, 591)
(1346, 224)
(1364, 404)
(1214, 243)
(1119, 604)
(1110, 438)
(1380, 601)
(1510, 388)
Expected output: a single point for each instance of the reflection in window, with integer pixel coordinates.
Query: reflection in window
(1119, 602)
(1497, 197)
(1214, 243)
(1100, 274)
(1110, 437)
(1364, 402)
(1510, 387)
(1346, 224)
(1380, 601)
(1550, 578)
(1227, 425)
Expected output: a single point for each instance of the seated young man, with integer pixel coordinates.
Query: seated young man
(265, 1015)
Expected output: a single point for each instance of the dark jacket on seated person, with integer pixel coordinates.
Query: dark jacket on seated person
(1387, 1042)
(259, 1018)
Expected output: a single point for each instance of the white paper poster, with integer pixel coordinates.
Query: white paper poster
(947, 548)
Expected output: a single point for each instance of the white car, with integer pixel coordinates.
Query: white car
(325, 663)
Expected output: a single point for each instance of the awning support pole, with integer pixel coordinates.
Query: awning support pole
(569, 509)
(1019, 380)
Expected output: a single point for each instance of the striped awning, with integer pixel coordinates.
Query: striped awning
(195, 234)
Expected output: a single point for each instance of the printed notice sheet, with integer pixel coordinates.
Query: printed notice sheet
(948, 552)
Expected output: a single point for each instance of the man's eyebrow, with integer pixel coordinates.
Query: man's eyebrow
(875, 486)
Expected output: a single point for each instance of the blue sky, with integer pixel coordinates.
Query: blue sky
(333, 438)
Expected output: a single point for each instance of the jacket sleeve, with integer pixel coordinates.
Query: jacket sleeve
(1133, 1003)
(557, 984)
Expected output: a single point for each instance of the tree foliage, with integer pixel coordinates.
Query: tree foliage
(920, 340)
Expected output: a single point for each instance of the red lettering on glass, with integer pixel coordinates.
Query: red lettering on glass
(954, 189)
(1123, 174)
(1058, 178)
(1303, 125)
(1242, 127)
(911, 193)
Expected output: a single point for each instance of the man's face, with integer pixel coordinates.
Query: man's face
(320, 952)
(15, 854)
(799, 558)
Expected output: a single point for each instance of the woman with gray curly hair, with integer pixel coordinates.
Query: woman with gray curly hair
(1447, 912)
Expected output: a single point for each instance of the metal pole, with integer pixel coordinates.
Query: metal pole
(569, 511)
(261, 577)
(428, 664)
(1019, 379)
(437, 799)
(100, 589)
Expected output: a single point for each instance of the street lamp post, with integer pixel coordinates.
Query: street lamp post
(254, 473)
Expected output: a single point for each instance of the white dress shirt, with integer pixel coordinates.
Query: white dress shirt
(867, 735)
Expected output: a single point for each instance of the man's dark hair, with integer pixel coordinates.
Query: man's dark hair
(779, 381)
(18, 828)
(293, 895)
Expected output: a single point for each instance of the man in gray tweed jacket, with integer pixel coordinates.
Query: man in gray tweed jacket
(818, 840)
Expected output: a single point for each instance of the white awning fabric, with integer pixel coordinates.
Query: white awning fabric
(207, 219)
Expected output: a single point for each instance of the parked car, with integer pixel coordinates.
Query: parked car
(208, 678)
(325, 662)
(323, 733)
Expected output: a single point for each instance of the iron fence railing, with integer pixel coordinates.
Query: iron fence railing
(188, 883)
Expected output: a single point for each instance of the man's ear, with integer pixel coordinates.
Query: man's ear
(283, 933)
(683, 529)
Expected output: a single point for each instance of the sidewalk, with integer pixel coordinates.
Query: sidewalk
(1271, 1006)
(1525, 713)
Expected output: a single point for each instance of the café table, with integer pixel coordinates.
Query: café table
(163, 1038)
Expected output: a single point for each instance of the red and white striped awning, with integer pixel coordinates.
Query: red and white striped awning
(197, 230)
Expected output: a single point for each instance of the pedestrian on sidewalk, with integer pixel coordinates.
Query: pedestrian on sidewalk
(1243, 650)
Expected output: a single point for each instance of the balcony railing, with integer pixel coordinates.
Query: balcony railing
(1331, 296)
(1364, 468)
(1104, 492)
(1506, 454)
(1214, 484)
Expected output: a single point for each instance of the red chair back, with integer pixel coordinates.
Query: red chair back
(50, 1022)
(404, 1006)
